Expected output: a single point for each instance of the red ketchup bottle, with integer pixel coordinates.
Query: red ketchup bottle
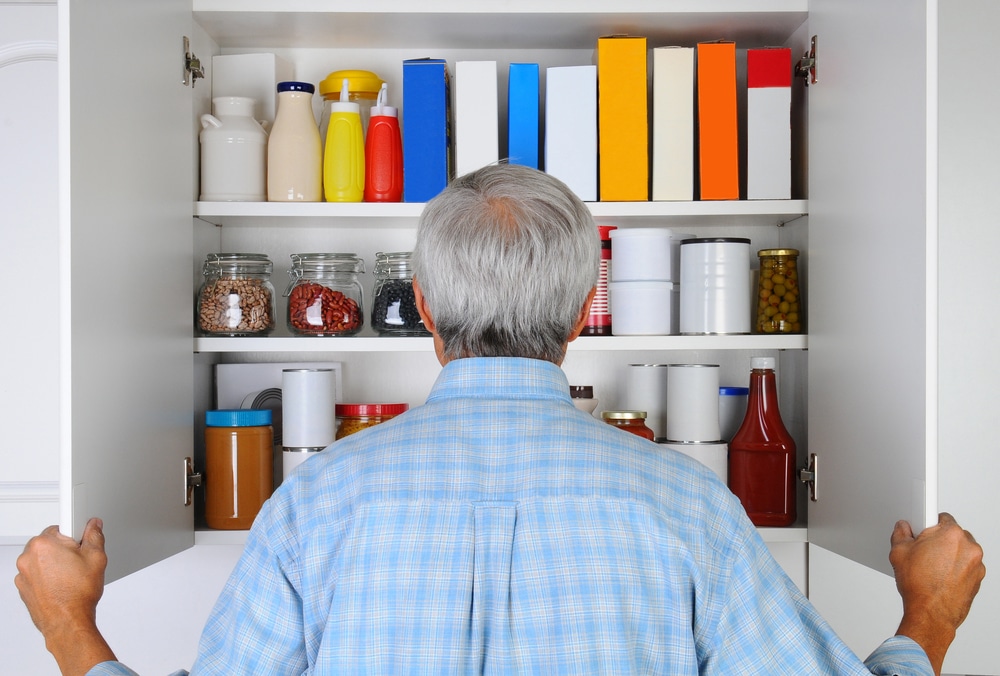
(762, 453)
(383, 153)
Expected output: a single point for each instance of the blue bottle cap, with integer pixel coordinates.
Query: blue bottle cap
(238, 417)
(734, 391)
(292, 86)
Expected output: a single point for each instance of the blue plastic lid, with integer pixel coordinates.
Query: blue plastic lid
(292, 86)
(734, 391)
(238, 417)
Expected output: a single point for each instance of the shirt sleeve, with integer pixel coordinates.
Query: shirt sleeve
(119, 669)
(256, 626)
(899, 656)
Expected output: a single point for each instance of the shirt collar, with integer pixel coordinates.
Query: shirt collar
(500, 378)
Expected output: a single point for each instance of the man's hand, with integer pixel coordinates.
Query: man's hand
(60, 582)
(938, 573)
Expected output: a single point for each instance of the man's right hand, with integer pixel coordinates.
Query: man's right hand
(938, 573)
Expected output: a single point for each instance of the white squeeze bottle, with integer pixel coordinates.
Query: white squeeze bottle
(294, 151)
(344, 156)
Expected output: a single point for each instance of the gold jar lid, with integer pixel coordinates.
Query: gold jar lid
(777, 252)
(623, 415)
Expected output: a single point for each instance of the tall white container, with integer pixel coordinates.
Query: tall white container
(693, 403)
(309, 424)
(294, 149)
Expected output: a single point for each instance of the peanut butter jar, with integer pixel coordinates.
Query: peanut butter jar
(238, 466)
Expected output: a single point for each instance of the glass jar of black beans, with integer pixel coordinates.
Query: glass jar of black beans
(394, 310)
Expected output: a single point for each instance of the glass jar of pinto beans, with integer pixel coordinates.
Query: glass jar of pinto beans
(779, 294)
(236, 298)
(324, 294)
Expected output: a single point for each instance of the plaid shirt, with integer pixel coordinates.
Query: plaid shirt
(497, 529)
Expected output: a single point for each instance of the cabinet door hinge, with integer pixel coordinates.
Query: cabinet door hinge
(191, 479)
(193, 70)
(810, 475)
(806, 67)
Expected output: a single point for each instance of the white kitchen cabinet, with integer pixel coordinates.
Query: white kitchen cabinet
(897, 357)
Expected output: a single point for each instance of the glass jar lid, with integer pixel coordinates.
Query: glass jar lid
(623, 415)
(237, 263)
(304, 264)
(393, 265)
(777, 252)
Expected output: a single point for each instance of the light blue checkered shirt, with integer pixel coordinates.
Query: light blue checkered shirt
(499, 530)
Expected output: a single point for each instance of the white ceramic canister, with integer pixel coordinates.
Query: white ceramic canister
(715, 286)
(641, 254)
(233, 152)
(693, 403)
(642, 308)
(646, 390)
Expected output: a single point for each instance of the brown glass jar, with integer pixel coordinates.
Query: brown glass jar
(356, 417)
(630, 421)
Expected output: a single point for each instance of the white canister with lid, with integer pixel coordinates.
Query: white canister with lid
(233, 152)
(715, 286)
(641, 254)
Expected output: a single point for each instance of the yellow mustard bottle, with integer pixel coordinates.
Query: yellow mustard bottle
(344, 156)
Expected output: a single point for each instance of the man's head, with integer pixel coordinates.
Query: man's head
(506, 260)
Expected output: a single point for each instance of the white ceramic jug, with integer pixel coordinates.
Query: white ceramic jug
(233, 152)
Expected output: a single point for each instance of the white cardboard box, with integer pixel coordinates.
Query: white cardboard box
(571, 128)
(477, 124)
(253, 75)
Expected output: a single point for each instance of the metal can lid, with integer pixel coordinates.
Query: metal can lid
(623, 415)
(777, 252)
(238, 417)
(369, 410)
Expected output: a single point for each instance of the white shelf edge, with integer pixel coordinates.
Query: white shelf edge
(417, 344)
(786, 209)
(239, 537)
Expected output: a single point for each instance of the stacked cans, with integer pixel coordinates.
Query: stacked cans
(642, 291)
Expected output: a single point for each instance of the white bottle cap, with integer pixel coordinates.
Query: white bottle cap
(345, 105)
(762, 363)
(380, 108)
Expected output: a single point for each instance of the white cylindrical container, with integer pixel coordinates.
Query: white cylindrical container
(714, 456)
(693, 403)
(233, 152)
(732, 410)
(646, 390)
(641, 254)
(308, 401)
(715, 286)
(642, 308)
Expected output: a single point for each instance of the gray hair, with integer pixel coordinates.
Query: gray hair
(505, 257)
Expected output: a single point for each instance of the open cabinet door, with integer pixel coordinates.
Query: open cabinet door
(125, 128)
(871, 367)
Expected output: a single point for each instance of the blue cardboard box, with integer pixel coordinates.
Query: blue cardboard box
(523, 118)
(426, 117)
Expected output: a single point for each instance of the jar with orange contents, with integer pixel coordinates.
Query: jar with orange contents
(356, 417)
(629, 421)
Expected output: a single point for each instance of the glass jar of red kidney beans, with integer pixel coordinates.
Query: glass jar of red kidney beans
(324, 294)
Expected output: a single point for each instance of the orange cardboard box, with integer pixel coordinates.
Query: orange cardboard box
(622, 110)
(718, 150)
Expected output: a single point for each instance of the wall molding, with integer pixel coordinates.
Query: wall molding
(21, 52)
(29, 491)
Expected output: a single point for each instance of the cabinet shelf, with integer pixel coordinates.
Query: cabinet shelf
(523, 24)
(691, 214)
(420, 344)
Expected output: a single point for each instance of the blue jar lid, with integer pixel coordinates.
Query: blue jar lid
(734, 391)
(292, 86)
(238, 417)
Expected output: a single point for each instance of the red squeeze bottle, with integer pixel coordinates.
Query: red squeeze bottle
(383, 154)
(762, 453)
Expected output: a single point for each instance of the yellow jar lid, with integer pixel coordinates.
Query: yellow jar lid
(777, 252)
(358, 81)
